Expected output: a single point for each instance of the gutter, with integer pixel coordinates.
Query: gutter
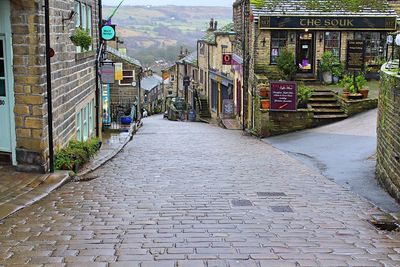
(49, 93)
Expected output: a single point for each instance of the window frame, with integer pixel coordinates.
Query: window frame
(79, 126)
(339, 48)
(127, 76)
(278, 39)
(369, 55)
(83, 20)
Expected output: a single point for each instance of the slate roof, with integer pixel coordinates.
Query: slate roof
(150, 82)
(298, 7)
(210, 36)
(190, 59)
(124, 56)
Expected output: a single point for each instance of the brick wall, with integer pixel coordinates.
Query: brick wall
(388, 151)
(73, 78)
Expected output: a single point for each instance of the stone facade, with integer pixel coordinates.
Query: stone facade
(353, 107)
(388, 152)
(73, 78)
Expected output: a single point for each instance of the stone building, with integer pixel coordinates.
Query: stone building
(263, 33)
(152, 87)
(186, 66)
(24, 140)
(216, 77)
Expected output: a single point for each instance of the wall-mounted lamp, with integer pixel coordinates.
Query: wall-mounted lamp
(292, 37)
(70, 16)
(306, 30)
(321, 37)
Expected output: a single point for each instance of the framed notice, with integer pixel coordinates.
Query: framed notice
(283, 96)
(355, 55)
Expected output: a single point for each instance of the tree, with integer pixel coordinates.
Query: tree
(329, 5)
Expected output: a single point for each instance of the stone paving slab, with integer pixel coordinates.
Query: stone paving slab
(166, 200)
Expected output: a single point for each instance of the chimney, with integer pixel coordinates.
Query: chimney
(215, 25)
(211, 27)
(186, 52)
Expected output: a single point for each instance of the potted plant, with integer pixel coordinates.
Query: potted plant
(263, 90)
(81, 38)
(265, 104)
(286, 64)
(361, 82)
(337, 72)
(327, 65)
(350, 90)
(304, 93)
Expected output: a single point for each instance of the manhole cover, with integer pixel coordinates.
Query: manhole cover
(386, 225)
(241, 202)
(281, 209)
(271, 194)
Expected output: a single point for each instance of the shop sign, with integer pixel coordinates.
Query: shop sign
(108, 33)
(327, 23)
(118, 71)
(355, 55)
(283, 96)
(226, 59)
(107, 72)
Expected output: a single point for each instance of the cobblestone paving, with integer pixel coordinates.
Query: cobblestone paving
(179, 195)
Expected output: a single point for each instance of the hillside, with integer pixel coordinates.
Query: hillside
(156, 32)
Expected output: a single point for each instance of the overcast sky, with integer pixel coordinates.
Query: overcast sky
(172, 2)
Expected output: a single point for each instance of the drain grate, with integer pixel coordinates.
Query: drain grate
(386, 225)
(281, 209)
(241, 203)
(271, 194)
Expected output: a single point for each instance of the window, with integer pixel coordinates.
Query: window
(127, 77)
(83, 19)
(85, 123)
(78, 126)
(374, 46)
(91, 106)
(201, 76)
(278, 42)
(332, 43)
(202, 48)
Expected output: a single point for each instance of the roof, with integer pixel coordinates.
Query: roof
(299, 7)
(124, 56)
(210, 36)
(149, 82)
(190, 59)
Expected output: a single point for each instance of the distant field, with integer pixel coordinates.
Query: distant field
(143, 28)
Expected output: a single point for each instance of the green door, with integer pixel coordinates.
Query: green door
(7, 123)
(5, 133)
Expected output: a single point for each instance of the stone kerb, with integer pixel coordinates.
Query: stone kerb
(388, 150)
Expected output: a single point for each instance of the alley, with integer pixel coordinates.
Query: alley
(192, 194)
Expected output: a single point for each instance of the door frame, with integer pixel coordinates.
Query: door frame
(312, 61)
(5, 32)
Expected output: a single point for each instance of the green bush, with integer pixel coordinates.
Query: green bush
(286, 64)
(304, 93)
(82, 38)
(348, 83)
(76, 154)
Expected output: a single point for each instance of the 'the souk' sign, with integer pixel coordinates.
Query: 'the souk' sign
(327, 22)
(283, 96)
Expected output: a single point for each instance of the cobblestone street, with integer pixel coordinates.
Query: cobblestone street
(192, 194)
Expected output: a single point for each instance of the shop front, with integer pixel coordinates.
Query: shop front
(221, 89)
(310, 36)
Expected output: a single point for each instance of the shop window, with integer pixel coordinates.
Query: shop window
(127, 77)
(83, 19)
(374, 46)
(278, 42)
(332, 43)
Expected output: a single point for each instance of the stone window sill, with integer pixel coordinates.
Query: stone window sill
(84, 55)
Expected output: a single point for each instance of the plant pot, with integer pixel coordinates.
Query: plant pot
(355, 96)
(302, 104)
(346, 94)
(335, 79)
(263, 93)
(265, 104)
(327, 77)
(364, 92)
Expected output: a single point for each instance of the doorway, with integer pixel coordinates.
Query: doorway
(305, 53)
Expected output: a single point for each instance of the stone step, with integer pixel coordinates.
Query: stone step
(328, 110)
(323, 105)
(332, 117)
(323, 94)
(323, 99)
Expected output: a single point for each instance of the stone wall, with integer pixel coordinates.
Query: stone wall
(353, 107)
(388, 151)
(73, 78)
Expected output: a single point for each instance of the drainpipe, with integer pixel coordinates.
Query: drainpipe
(48, 77)
(99, 52)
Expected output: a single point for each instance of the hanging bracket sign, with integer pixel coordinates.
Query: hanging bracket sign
(226, 59)
(108, 33)
(107, 72)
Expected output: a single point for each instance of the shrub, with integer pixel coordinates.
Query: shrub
(76, 154)
(286, 64)
(82, 38)
(304, 93)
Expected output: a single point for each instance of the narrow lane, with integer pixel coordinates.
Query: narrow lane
(344, 152)
(191, 194)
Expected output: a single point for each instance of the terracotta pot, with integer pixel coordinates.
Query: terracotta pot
(263, 93)
(265, 104)
(364, 92)
(346, 94)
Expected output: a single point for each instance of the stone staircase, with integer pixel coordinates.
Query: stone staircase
(204, 111)
(326, 107)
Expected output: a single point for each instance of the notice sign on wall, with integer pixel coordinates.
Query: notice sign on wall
(355, 55)
(283, 96)
(118, 71)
